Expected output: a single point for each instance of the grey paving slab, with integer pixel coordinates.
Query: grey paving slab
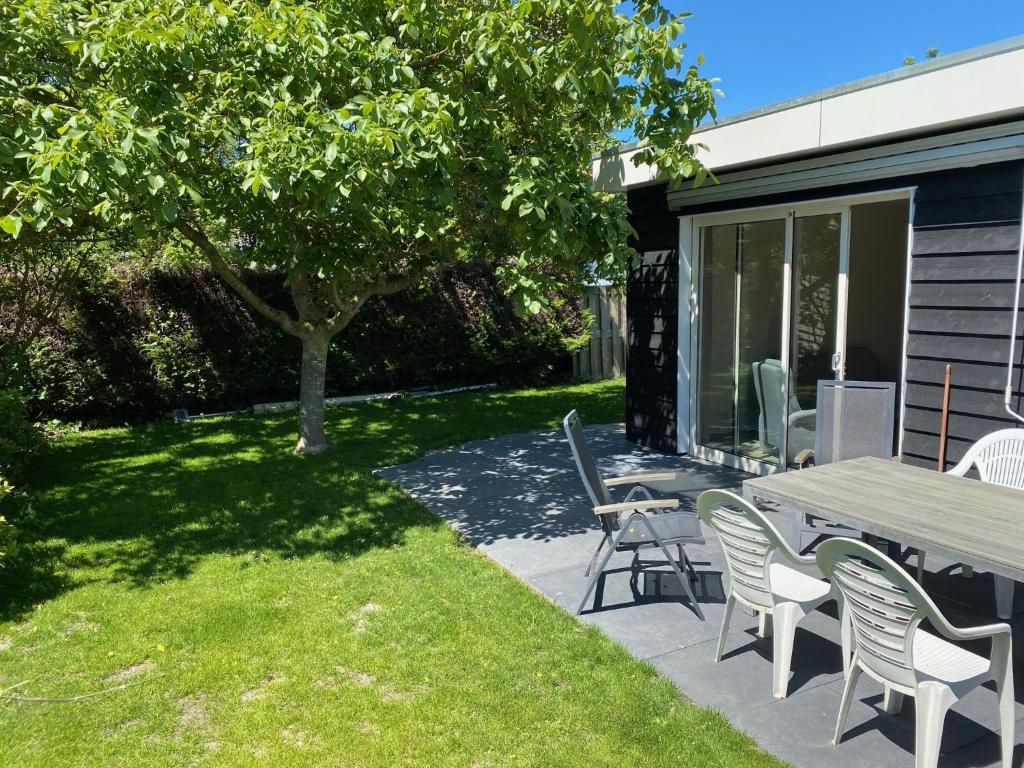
(519, 499)
(738, 683)
(799, 729)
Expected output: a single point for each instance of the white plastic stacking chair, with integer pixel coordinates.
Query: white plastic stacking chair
(999, 458)
(881, 610)
(775, 589)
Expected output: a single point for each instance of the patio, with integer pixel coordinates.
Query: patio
(518, 498)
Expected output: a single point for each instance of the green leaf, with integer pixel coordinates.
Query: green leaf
(11, 224)
(156, 183)
(169, 210)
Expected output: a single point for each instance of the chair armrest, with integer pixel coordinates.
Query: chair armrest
(795, 557)
(803, 457)
(962, 467)
(798, 416)
(971, 633)
(642, 477)
(636, 506)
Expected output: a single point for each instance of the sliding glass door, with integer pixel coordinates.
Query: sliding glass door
(771, 294)
(742, 278)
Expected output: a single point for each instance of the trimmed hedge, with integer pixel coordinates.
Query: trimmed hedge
(137, 344)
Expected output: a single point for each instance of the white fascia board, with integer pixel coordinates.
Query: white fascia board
(992, 87)
(775, 134)
(616, 172)
(956, 96)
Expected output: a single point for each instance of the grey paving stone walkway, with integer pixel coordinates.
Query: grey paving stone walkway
(518, 498)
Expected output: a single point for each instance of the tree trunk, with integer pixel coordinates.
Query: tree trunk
(312, 438)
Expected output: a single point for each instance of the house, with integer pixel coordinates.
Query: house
(870, 231)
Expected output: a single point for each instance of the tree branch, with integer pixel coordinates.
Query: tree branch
(426, 60)
(199, 239)
(388, 287)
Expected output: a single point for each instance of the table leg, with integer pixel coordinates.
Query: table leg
(797, 534)
(1004, 596)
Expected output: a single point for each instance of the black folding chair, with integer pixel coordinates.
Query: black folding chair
(627, 526)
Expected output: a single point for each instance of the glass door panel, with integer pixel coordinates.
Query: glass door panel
(741, 328)
(814, 321)
(759, 336)
(716, 426)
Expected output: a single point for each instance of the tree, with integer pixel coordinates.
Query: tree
(357, 144)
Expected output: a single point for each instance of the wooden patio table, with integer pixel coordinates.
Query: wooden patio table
(964, 520)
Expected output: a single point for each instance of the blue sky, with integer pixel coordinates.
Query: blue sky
(767, 52)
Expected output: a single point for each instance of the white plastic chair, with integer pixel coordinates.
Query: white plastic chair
(774, 589)
(999, 458)
(881, 609)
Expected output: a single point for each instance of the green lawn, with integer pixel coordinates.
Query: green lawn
(284, 610)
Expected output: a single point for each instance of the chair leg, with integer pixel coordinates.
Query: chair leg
(597, 573)
(966, 571)
(1002, 673)
(730, 604)
(593, 560)
(685, 564)
(892, 701)
(844, 704)
(785, 618)
(675, 567)
(920, 567)
(933, 701)
(1004, 596)
(764, 625)
(845, 638)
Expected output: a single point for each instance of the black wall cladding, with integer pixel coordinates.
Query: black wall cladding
(652, 301)
(963, 271)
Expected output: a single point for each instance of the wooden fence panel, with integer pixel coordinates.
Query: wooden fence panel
(604, 357)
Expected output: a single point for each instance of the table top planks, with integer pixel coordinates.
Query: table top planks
(969, 521)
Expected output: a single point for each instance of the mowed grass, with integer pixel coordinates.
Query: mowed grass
(271, 609)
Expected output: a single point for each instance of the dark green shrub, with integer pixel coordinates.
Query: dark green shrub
(180, 365)
(19, 440)
(7, 531)
(136, 344)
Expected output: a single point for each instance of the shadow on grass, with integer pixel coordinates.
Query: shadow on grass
(147, 504)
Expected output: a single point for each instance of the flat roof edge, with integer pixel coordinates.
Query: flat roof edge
(902, 73)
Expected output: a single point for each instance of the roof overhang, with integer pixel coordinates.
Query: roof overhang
(951, 93)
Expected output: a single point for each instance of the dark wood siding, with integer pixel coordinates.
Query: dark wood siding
(652, 301)
(962, 276)
(963, 269)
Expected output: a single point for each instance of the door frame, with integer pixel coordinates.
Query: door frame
(690, 270)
